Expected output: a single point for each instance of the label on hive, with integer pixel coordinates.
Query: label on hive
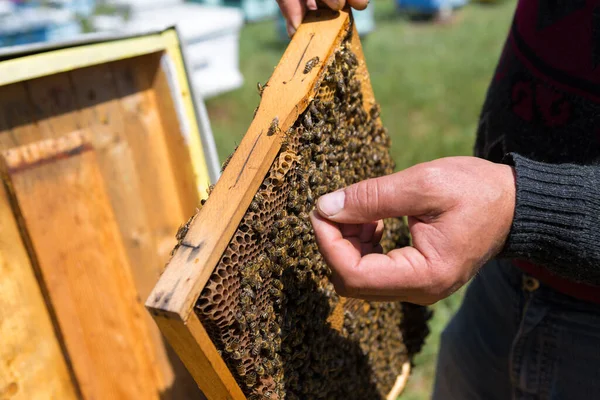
(269, 306)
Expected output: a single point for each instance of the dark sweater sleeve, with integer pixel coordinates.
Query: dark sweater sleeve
(557, 218)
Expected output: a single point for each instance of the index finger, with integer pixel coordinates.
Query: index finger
(293, 11)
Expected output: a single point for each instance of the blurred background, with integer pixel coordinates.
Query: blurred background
(430, 63)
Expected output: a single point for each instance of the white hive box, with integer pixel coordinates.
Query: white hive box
(210, 37)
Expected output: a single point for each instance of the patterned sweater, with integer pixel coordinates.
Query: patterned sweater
(542, 115)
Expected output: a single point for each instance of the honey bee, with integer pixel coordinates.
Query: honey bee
(240, 318)
(279, 224)
(256, 347)
(375, 111)
(292, 196)
(315, 112)
(260, 370)
(240, 369)
(250, 379)
(307, 136)
(276, 283)
(274, 127)
(254, 206)
(260, 200)
(258, 227)
(309, 197)
(261, 88)
(236, 355)
(307, 120)
(273, 291)
(253, 280)
(310, 64)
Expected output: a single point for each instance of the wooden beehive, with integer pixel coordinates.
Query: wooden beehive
(207, 299)
(101, 160)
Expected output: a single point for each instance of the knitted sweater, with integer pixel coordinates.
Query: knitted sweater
(542, 115)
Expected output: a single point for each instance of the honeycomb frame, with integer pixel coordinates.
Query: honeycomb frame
(204, 240)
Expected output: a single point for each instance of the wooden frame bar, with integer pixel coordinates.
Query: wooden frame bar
(286, 96)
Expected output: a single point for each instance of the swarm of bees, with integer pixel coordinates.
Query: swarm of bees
(268, 304)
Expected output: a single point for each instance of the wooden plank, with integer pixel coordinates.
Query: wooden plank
(101, 113)
(196, 150)
(31, 361)
(51, 62)
(176, 130)
(18, 120)
(287, 95)
(145, 135)
(192, 343)
(83, 265)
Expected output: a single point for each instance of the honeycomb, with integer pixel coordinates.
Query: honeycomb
(269, 307)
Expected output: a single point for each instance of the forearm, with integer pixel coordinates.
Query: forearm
(557, 218)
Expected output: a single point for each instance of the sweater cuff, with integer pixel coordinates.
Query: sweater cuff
(557, 218)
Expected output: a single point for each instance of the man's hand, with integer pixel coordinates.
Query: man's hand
(460, 210)
(294, 10)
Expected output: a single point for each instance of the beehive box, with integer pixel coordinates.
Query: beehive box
(100, 160)
(245, 300)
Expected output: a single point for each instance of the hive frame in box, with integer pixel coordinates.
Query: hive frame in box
(22, 63)
(288, 93)
(27, 75)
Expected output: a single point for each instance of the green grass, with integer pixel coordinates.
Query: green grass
(430, 81)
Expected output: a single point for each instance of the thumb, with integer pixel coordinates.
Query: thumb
(402, 193)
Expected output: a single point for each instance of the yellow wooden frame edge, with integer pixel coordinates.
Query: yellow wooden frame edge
(81, 56)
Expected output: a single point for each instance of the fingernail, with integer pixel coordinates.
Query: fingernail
(331, 203)
(336, 4)
(290, 29)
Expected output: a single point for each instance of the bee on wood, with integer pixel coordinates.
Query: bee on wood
(226, 162)
(183, 229)
(310, 64)
(274, 127)
(261, 88)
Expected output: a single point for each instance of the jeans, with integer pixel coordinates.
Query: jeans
(515, 338)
